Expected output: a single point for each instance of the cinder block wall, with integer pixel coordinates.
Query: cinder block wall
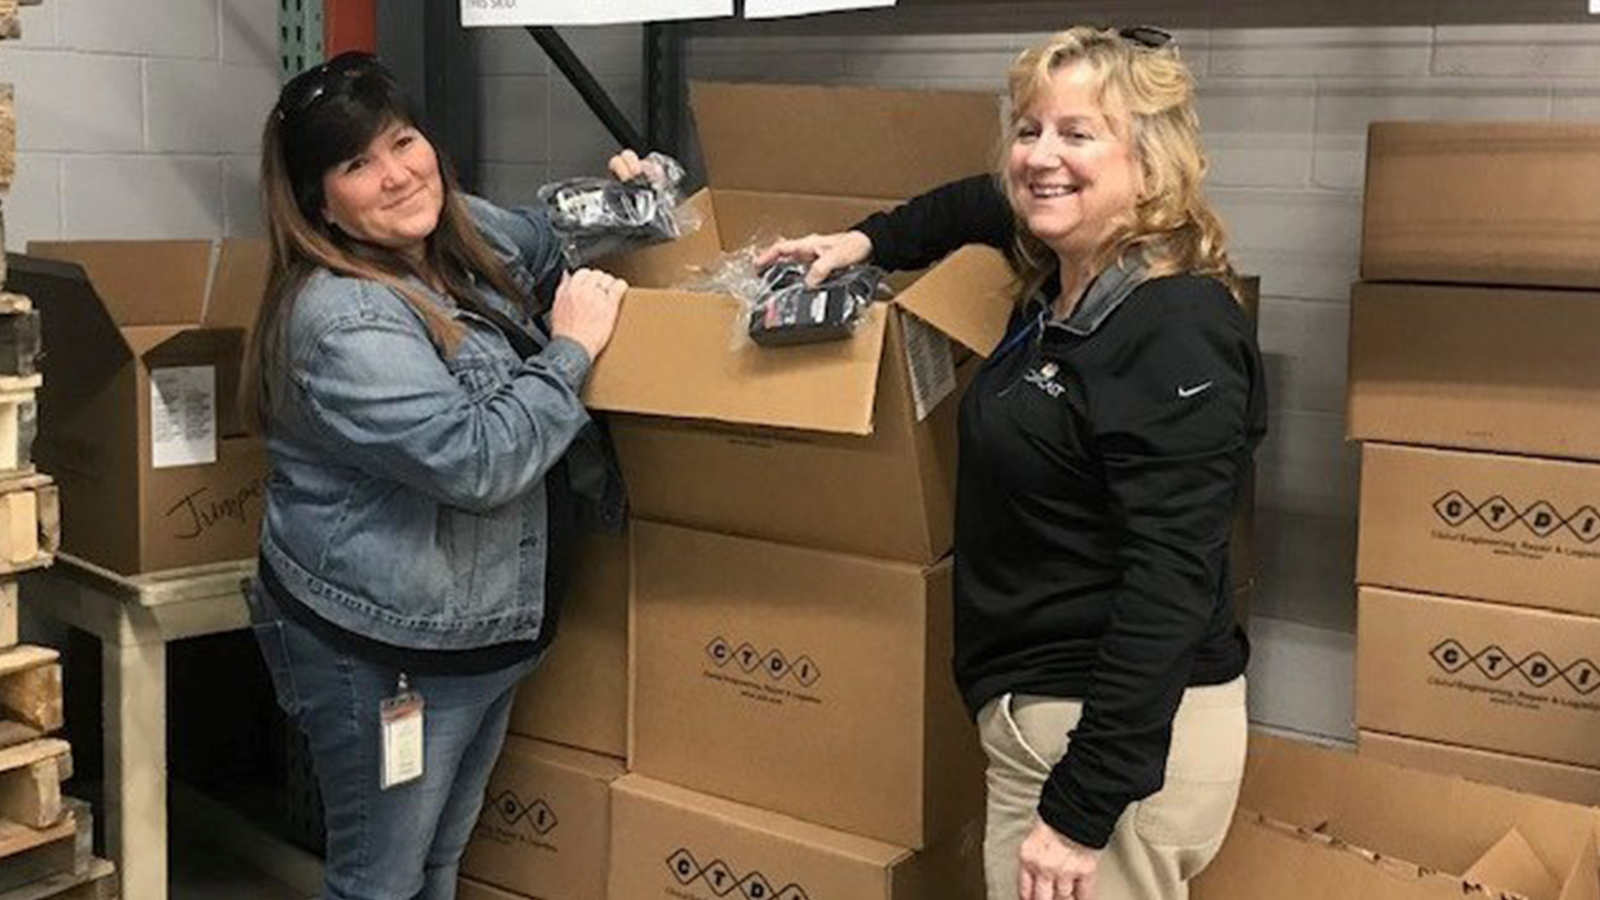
(139, 118)
(533, 127)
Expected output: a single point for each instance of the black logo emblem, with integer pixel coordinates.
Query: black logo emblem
(1498, 514)
(1537, 668)
(775, 663)
(512, 811)
(724, 881)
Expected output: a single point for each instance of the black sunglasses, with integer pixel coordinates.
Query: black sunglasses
(304, 90)
(1147, 36)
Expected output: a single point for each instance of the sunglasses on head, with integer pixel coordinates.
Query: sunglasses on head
(304, 90)
(1147, 36)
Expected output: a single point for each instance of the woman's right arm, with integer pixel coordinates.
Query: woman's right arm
(380, 396)
(913, 235)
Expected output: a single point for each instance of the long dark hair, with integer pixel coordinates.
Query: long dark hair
(323, 117)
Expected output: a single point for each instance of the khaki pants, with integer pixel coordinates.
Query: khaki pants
(1160, 842)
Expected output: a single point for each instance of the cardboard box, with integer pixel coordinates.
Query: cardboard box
(467, 889)
(1496, 369)
(1572, 784)
(138, 419)
(1483, 203)
(1504, 678)
(1510, 529)
(810, 683)
(579, 694)
(673, 843)
(1319, 823)
(546, 823)
(820, 445)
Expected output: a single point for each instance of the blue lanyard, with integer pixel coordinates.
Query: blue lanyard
(1016, 338)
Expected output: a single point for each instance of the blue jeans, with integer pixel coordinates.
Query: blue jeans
(404, 843)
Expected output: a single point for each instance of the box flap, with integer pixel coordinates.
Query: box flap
(969, 297)
(240, 280)
(1511, 865)
(1583, 877)
(840, 843)
(858, 142)
(62, 293)
(141, 282)
(679, 354)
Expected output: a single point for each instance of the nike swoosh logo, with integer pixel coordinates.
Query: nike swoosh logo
(1185, 393)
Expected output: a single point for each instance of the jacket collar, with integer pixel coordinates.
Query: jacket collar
(1103, 297)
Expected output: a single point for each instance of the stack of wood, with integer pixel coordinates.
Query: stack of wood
(46, 838)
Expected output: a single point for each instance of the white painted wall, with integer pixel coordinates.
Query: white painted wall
(139, 118)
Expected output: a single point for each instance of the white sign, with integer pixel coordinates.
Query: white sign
(482, 13)
(183, 416)
(772, 9)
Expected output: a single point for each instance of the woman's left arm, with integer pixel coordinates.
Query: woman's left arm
(1173, 412)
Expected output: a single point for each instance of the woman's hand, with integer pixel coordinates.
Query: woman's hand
(827, 253)
(1055, 868)
(627, 165)
(586, 308)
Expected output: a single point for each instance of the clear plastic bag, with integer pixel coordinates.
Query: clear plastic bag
(780, 309)
(789, 311)
(594, 217)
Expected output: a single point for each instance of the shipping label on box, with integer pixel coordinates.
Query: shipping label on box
(1509, 529)
(1483, 675)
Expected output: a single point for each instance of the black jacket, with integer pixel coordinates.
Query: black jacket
(1101, 460)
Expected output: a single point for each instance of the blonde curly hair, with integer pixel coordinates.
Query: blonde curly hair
(1148, 93)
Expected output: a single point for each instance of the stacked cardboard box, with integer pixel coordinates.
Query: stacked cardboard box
(790, 724)
(1473, 383)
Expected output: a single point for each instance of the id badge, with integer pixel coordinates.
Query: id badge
(400, 718)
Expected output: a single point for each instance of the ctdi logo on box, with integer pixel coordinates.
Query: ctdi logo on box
(723, 880)
(536, 816)
(774, 663)
(1540, 517)
(1536, 668)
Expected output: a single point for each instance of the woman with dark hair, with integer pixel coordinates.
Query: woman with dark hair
(430, 460)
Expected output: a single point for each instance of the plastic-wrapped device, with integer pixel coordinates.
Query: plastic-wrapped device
(594, 217)
(788, 311)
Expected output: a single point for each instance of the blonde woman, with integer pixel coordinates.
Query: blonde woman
(1103, 445)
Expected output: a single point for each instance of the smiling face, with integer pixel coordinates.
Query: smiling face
(391, 194)
(1072, 173)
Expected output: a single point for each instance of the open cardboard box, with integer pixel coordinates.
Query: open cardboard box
(1315, 823)
(138, 420)
(820, 445)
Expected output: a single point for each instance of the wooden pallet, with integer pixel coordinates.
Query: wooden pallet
(30, 522)
(30, 782)
(10, 27)
(62, 853)
(97, 882)
(30, 694)
(19, 420)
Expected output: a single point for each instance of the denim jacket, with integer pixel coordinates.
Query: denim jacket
(407, 500)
